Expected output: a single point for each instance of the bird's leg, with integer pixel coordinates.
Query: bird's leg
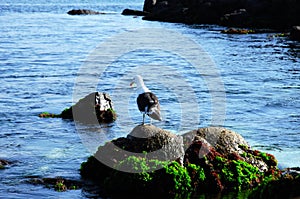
(143, 119)
(144, 113)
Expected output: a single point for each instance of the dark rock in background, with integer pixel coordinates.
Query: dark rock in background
(84, 12)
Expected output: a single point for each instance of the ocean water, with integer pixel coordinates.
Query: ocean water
(49, 59)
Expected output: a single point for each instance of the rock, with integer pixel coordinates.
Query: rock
(237, 18)
(168, 11)
(84, 12)
(227, 159)
(287, 186)
(229, 145)
(133, 165)
(148, 5)
(145, 141)
(58, 184)
(295, 33)
(3, 163)
(277, 14)
(215, 159)
(223, 140)
(93, 109)
(134, 12)
(237, 31)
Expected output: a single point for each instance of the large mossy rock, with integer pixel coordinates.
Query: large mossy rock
(144, 141)
(227, 160)
(142, 162)
(148, 161)
(287, 186)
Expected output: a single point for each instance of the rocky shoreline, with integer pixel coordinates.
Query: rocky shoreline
(279, 14)
(250, 15)
(242, 16)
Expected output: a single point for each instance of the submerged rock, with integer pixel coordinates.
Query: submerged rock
(84, 12)
(237, 31)
(58, 184)
(3, 163)
(95, 108)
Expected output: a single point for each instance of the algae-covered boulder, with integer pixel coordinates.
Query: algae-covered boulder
(131, 164)
(227, 160)
(146, 141)
(94, 108)
(149, 161)
(286, 186)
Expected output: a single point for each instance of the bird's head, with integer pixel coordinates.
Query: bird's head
(137, 81)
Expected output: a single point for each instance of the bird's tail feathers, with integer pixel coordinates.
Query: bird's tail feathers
(155, 114)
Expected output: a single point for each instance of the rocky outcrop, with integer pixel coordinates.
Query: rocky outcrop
(92, 109)
(84, 12)
(149, 161)
(134, 12)
(295, 33)
(280, 14)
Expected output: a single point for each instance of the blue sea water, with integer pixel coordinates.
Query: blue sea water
(43, 52)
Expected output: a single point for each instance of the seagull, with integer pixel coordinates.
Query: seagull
(147, 102)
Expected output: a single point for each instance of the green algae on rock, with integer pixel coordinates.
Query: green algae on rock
(59, 184)
(215, 160)
(286, 186)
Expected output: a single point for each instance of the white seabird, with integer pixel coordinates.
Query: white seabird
(147, 101)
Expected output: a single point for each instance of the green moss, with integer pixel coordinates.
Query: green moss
(181, 179)
(149, 176)
(60, 186)
(237, 174)
(268, 158)
(48, 115)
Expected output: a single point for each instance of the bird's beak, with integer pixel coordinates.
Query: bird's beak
(132, 84)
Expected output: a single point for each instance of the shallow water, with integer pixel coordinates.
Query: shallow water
(42, 52)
